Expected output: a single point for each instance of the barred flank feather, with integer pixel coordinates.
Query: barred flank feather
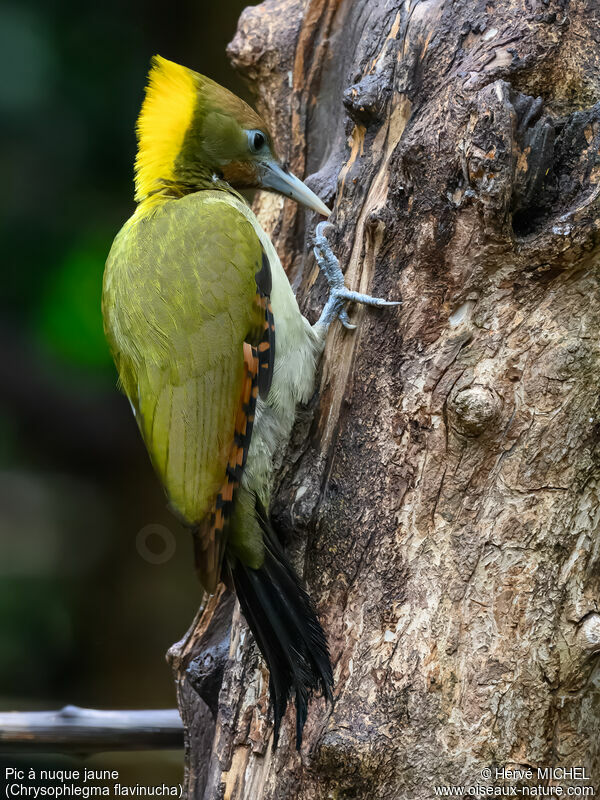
(210, 538)
(284, 623)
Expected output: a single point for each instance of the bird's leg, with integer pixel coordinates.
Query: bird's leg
(339, 295)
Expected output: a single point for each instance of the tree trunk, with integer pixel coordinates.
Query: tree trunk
(441, 495)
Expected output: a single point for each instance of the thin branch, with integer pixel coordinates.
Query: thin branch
(85, 730)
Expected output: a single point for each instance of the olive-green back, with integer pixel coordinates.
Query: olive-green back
(179, 302)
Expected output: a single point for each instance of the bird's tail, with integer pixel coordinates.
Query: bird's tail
(283, 620)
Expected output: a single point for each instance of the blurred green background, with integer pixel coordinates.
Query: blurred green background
(85, 617)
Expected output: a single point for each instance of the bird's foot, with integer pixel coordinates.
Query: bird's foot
(339, 295)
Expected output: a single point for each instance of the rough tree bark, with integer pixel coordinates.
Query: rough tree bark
(441, 494)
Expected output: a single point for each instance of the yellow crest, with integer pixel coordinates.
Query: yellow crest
(166, 115)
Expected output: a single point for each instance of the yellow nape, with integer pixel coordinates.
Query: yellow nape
(166, 115)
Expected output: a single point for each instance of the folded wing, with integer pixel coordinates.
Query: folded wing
(194, 342)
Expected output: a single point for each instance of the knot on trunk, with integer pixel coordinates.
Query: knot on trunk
(588, 635)
(473, 409)
(366, 101)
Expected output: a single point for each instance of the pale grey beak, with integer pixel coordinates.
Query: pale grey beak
(273, 176)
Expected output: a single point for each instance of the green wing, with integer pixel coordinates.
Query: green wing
(180, 300)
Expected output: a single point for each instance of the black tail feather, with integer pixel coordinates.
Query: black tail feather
(283, 620)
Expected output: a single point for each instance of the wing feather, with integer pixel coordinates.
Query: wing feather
(186, 290)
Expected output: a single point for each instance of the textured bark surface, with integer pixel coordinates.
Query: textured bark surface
(441, 496)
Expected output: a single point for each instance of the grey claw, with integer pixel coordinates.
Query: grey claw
(365, 299)
(322, 227)
(345, 320)
(339, 294)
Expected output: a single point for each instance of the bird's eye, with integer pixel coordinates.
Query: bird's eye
(257, 140)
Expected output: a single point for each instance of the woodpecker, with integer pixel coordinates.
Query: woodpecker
(214, 355)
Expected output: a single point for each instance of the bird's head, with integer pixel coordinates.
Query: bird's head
(191, 131)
